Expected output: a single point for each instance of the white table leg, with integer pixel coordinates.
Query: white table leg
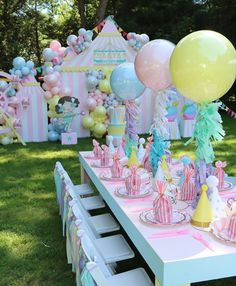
(84, 176)
(157, 283)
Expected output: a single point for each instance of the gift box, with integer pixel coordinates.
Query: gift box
(220, 173)
(116, 168)
(97, 150)
(69, 138)
(105, 156)
(162, 205)
(188, 191)
(133, 182)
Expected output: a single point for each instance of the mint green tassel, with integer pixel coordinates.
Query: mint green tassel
(208, 129)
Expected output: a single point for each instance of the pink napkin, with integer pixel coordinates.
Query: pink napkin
(105, 156)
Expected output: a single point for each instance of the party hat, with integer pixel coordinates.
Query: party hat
(203, 214)
(165, 168)
(133, 160)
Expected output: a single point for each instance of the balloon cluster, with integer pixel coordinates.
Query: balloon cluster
(9, 103)
(55, 128)
(53, 86)
(111, 101)
(81, 42)
(136, 41)
(95, 121)
(53, 57)
(21, 68)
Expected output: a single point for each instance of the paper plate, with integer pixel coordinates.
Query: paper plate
(219, 230)
(106, 176)
(97, 164)
(227, 186)
(179, 218)
(180, 205)
(145, 190)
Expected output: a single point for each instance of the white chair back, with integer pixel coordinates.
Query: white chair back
(100, 270)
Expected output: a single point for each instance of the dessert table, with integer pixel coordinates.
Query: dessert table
(176, 260)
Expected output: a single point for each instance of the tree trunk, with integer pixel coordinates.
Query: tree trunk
(101, 10)
(37, 45)
(81, 7)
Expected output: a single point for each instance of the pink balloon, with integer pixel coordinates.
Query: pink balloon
(91, 103)
(91, 94)
(55, 45)
(14, 101)
(98, 92)
(152, 64)
(11, 111)
(47, 95)
(100, 101)
(51, 79)
(55, 90)
(45, 86)
(104, 96)
(66, 91)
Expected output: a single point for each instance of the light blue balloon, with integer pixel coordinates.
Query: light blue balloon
(50, 127)
(11, 92)
(30, 64)
(53, 136)
(25, 70)
(18, 62)
(125, 83)
(3, 85)
(18, 73)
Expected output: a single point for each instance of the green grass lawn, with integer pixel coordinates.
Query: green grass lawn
(32, 249)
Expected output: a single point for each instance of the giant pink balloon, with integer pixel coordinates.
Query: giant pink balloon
(152, 64)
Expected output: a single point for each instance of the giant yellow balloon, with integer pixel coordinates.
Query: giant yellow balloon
(203, 66)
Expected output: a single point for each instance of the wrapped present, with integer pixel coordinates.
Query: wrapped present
(220, 173)
(188, 191)
(97, 150)
(146, 159)
(116, 168)
(133, 182)
(105, 156)
(162, 205)
(69, 138)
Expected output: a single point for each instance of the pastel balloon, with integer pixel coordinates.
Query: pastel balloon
(5, 141)
(66, 91)
(55, 90)
(47, 95)
(53, 136)
(55, 45)
(3, 85)
(99, 129)
(18, 62)
(25, 70)
(152, 64)
(91, 103)
(71, 40)
(125, 83)
(88, 122)
(51, 79)
(203, 66)
(100, 111)
(30, 64)
(48, 54)
(14, 101)
(11, 111)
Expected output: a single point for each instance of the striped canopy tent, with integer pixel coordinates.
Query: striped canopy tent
(110, 43)
(34, 118)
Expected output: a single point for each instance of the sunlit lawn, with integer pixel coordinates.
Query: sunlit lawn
(32, 249)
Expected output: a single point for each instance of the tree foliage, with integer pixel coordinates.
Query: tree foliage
(27, 26)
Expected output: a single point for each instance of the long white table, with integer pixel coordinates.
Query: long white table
(175, 261)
